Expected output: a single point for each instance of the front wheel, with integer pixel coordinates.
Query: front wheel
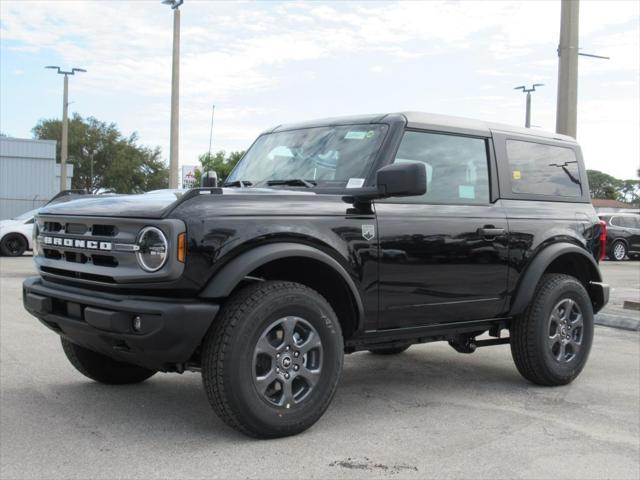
(551, 340)
(101, 368)
(618, 251)
(13, 245)
(272, 361)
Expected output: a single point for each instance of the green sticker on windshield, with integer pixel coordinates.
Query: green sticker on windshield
(355, 135)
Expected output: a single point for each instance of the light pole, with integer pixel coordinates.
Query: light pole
(175, 95)
(213, 110)
(64, 147)
(567, 104)
(568, 52)
(527, 118)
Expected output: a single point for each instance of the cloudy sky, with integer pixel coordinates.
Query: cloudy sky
(265, 63)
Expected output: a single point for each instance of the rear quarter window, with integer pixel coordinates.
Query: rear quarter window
(540, 169)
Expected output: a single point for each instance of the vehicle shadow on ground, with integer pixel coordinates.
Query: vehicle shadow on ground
(370, 383)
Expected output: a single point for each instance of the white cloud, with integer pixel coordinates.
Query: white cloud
(257, 61)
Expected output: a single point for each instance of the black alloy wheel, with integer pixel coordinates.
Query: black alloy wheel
(287, 361)
(13, 245)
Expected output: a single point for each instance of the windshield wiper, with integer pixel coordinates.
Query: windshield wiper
(294, 182)
(238, 183)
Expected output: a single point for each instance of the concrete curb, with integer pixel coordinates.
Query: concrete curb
(618, 321)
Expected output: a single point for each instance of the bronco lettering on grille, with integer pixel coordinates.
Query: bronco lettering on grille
(75, 243)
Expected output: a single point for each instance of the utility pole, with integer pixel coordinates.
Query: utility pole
(567, 105)
(174, 177)
(213, 109)
(64, 144)
(568, 52)
(527, 117)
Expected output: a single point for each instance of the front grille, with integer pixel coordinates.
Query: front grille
(101, 249)
(52, 227)
(76, 228)
(79, 275)
(104, 261)
(104, 230)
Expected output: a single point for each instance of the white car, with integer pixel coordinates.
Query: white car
(16, 234)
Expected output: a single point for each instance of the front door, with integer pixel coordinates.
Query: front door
(443, 255)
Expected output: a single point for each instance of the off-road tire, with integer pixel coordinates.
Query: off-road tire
(530, 332)
(13, 245)
(102, 368)
(389, 350)
(617, 247)
(228, 356)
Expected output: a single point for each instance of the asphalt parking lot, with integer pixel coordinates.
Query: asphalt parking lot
(428, 413)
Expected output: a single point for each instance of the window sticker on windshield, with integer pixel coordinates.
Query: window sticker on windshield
(355, 183)
(517, 175)
(355, 135)
(466, 191)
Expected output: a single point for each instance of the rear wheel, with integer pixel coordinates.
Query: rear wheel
(271, 362)
(618, 251)
(551, 340)
(389, 350)
(13, 245)
(101, 368)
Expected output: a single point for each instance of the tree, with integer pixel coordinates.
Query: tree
(220, 162)
(602, 185)
(630, 192)
(104, 159)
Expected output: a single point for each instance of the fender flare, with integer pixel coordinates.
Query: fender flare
(530, 278)
(226, 279)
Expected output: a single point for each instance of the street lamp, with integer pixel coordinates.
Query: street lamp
(213, 110)
(175, 93)
(527, 121)
(64, 147)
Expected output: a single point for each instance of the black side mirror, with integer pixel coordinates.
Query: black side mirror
(209, 179)
(396, 180)
(402, 180)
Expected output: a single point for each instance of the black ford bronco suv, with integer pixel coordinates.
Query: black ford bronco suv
(330, 237)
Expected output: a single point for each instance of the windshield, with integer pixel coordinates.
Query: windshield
(322, 156)
(27, 215)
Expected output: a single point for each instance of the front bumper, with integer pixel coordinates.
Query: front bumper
(171, 329)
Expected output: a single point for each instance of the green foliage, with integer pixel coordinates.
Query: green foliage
(220, 162)
(104, 159)
(630, 192)
(602, 185)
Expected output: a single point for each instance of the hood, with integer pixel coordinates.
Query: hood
(10, 223)
(151, 205)
(148, 205)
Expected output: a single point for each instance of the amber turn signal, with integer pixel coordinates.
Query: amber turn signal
(182, 247)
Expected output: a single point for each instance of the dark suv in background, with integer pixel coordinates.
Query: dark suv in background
(368, 233)
(623, 235)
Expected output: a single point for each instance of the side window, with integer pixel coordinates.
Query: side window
(457, 171)
(628, 222)
(615, 221)
(540, 169)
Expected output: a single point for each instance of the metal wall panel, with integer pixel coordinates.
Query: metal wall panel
(29, 175)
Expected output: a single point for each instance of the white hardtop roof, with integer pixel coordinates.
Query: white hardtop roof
(429, 121)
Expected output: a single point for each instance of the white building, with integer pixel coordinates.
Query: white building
(29, 175)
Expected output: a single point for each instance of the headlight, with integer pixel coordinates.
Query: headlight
(152, 249)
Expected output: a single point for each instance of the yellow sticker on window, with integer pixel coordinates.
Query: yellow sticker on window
(516, 175)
